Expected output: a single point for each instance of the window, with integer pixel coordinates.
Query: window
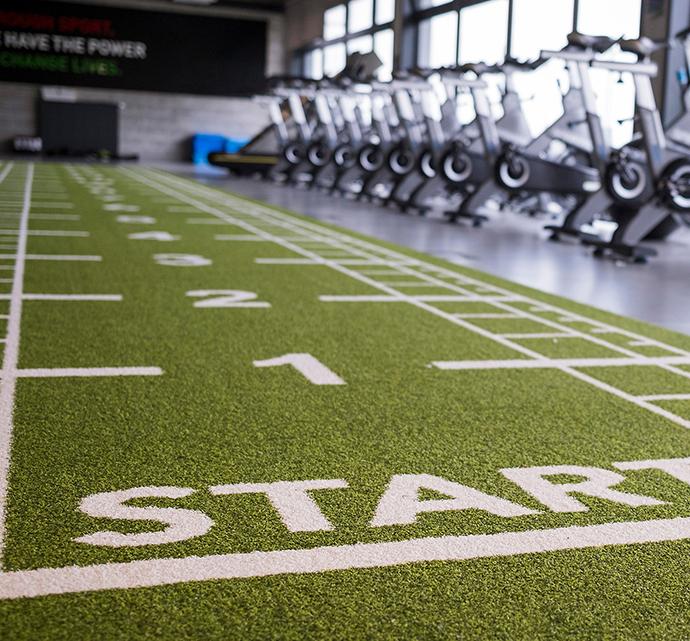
(362, 44)
(354, 26)
(616, 100)
(540, 24)
(438, 40)
(334, 57)
(484, 32)
(334, 22)
(360, 15)
(385, 11)
(313, 64)
(383, 46)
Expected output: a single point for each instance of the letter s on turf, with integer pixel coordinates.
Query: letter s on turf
(182, 524)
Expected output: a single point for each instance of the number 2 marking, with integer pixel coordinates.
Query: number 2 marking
(225, 298)
(311, 368)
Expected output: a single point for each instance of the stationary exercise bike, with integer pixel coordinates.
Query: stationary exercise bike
(667, 165)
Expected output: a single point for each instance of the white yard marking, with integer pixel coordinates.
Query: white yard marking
(64, 257)
(87, 372)
(155, 572)
(159, 236)
(311, 368)
(287, 261)
(5, 171)
(46, 232)
(558, 363)
(219, 298)
(8, 383)
(539, 335)
(665, 397)
(68, 297)
(489, 315)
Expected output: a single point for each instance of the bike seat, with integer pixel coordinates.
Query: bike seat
(584, 41)
(642, 47)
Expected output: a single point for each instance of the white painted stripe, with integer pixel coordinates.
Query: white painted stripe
(88, 372)
(372, 298)
(155, 572)
(559, 363)
(69, 297)
(8, 383)
(45, 232)
(665, 397)
(540, 335)
(240, 238)
(287, 261)
(5, 171)
(64, 257)
(488, 315)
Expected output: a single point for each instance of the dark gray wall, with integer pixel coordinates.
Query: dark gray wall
(157, 126)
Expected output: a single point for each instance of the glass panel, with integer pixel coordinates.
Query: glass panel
(313, 64)
(385, 11)
(425, 4)
(438, 40)
(334, 22)
(383, 46)
(363, 44)
(616, 100)
(333, 59)
(540, 24)
(361, 15)
(475, 23)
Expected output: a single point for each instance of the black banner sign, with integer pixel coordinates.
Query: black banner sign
(98, 46)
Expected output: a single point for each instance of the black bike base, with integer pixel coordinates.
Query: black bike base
(603, 249)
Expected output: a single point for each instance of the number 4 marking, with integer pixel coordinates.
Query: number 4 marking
(225, 298)
(311, 368)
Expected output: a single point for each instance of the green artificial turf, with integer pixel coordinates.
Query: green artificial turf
(213, 418)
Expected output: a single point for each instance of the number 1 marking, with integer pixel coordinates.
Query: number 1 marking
(311, 368)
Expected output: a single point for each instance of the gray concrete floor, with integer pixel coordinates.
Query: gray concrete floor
(512, 247)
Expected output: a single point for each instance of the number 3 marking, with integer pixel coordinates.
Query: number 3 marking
(225, 298)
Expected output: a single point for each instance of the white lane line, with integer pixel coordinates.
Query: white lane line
(488, 315)
(63, 257)
(540, 335)
(665, 397)
(69, 297)
(392, 298)
(88, 372)
(287, 261)
(242, 565)
(373, 298)
(8, 383)
(5, 171)
(559, 363)
(46, 232)
(240, 238)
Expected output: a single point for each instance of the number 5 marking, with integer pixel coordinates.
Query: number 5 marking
(311, 368)
(225, 298)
